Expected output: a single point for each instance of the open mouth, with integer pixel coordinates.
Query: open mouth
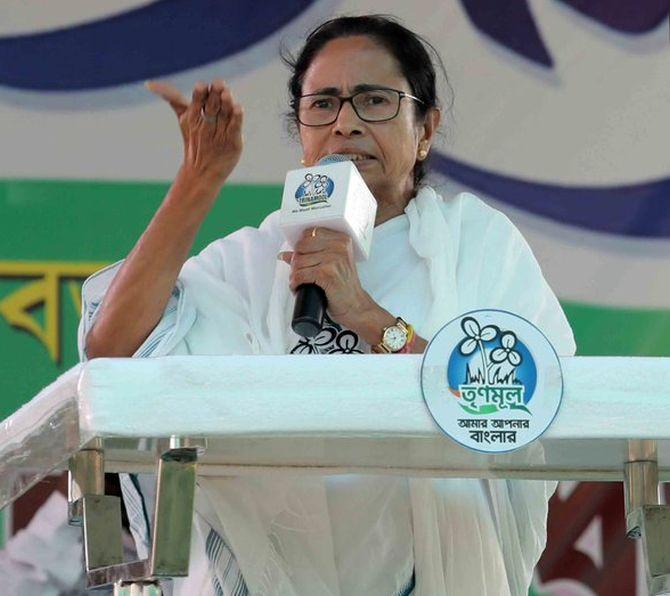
(360, 158)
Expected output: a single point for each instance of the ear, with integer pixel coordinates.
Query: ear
(427, 132)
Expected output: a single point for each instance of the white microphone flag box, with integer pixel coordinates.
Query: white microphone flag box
(331, 196)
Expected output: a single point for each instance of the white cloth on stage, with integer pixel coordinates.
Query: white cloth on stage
(295, 536)
(45, 558)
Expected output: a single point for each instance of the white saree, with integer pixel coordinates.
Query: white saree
(294, 536)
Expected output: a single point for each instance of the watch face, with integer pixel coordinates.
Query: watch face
(395, 338)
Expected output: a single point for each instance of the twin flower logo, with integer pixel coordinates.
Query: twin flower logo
(491, 370)
(317, 188)
(492, 381)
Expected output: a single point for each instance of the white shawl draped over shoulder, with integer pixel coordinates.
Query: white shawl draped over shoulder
(470, 537)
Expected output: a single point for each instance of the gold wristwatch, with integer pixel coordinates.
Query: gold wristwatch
(394, 338)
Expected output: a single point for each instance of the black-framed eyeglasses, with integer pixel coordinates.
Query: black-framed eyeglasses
(371, 105)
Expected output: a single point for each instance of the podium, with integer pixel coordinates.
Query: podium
(184, 416)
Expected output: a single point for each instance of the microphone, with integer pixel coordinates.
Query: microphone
(331, 194)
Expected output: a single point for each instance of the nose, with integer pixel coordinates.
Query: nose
(348, 123)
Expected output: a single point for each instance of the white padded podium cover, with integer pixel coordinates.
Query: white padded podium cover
(251, 395)
(222, 395)
(363, 413)
(322, 414)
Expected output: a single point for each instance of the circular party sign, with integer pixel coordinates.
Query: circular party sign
(492, 381)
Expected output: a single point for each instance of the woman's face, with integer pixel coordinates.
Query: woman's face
(391, 147)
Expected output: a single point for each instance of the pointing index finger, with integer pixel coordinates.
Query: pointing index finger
(169, 93)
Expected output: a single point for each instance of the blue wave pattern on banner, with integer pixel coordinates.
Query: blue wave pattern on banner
(626, 16)
(161, 38)
(511, 23)
(639, 210)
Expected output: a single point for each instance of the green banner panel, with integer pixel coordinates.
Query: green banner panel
(55, 234)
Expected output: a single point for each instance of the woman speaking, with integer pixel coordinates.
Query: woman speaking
(364, 87)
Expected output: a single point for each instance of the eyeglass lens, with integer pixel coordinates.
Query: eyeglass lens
(371, 106)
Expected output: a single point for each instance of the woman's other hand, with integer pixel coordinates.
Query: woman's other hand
(326, 257)
(211, 128)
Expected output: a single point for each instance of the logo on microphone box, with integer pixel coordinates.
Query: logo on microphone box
(492, 381)
(317, 188)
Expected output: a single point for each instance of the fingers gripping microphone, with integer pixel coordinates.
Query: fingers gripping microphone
(332, 195)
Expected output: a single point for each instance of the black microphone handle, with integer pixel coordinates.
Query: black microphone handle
(309, 309)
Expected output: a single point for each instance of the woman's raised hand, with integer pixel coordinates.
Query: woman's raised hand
(211, 127)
